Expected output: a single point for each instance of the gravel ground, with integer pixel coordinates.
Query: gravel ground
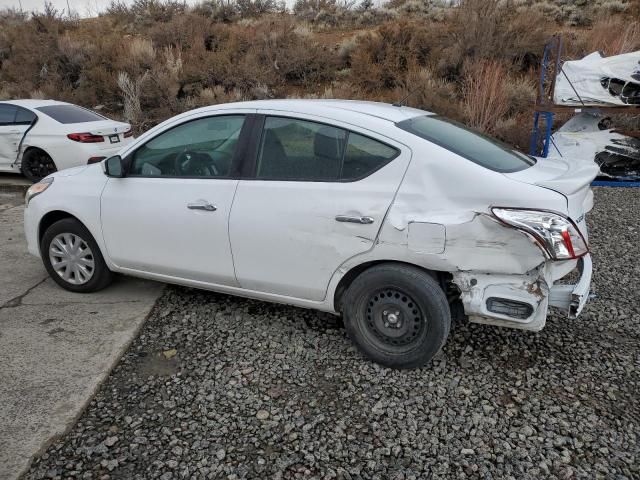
(265, 391)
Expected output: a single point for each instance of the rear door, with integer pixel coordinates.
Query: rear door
(14, 122)
(318, 196)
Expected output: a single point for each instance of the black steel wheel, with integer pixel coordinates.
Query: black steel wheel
(37, 164)
(397, 315)
(394, 319)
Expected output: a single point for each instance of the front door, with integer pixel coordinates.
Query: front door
(319, 197)
(169, 215)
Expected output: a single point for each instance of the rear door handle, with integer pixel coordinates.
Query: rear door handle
(354, 219)
(206, 206)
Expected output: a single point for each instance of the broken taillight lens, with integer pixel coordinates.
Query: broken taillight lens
(556, 234)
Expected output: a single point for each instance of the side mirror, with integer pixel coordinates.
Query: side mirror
(113, 167)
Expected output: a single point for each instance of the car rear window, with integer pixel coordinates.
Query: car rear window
(467, 143)
(70, 114)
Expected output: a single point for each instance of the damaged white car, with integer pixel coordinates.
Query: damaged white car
(39, 137)
(388, 215)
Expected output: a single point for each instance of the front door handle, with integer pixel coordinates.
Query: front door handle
(206, 206)
(354, 219)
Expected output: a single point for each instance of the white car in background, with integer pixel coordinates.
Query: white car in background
(39, 137)
(388, 215)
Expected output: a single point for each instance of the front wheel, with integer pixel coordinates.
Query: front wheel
(397, 315)
(72, 257)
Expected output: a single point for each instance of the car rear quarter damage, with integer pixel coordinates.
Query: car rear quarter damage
(502, 276)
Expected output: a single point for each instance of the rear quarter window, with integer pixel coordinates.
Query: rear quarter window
(468, 143)
(70, 114)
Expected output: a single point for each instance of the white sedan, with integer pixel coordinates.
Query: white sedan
(39, 137)
(390, 216)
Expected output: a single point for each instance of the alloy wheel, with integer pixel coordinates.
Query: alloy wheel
(39, 165)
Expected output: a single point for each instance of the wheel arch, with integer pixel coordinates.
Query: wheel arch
(355, 271)
(29, 147)
(52, 217)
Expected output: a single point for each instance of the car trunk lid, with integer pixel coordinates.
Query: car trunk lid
(112, 131)
(569, 177)
(108, 127)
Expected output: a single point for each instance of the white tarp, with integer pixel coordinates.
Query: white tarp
(598, 80)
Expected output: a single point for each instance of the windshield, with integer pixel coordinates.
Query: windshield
(70, 114)
(467, 143)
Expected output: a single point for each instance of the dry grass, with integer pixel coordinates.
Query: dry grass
(151, 59)
(485, 94)
(612, 38)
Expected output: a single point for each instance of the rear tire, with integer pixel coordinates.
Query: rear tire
(397, 315)
(37, 164)
(72, 257)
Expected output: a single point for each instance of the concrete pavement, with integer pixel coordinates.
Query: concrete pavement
(13, 182)
(56, 347)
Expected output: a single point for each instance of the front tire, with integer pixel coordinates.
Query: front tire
(72, 257)
(37, 164)
(397, 315)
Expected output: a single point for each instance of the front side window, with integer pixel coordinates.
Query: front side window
(293, 149)
(70, 114)
(467, 143)
(199, 148)
(7, 114)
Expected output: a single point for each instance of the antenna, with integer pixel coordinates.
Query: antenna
(400, 103)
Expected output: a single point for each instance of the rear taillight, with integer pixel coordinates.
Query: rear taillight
(556, 234)
(85, 137)
(128, 133)
(95, 160)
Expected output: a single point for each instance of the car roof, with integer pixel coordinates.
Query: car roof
(33, 102)
(336, 109)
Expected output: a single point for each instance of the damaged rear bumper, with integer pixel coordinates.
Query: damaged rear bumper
(573, 298)
(522, 301)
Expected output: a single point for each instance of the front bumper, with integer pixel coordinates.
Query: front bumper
(31, 217)
(573, 298)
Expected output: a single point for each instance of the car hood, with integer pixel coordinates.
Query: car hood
(69, 172)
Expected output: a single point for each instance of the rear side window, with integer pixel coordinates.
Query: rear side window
(364, 156)
(24, 116)
(7, 114)
(293, 149)
(467, 143)
(70, 114)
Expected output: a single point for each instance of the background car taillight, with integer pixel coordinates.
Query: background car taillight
(85, 137)
(558, 236)
(128, 133)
